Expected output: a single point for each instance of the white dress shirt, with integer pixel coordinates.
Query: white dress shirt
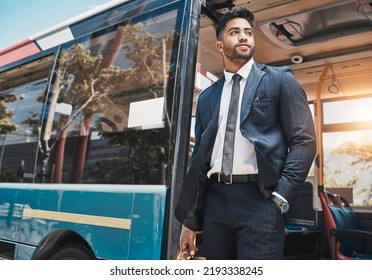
(244, 155)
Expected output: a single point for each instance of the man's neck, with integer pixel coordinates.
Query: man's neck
(234, 66)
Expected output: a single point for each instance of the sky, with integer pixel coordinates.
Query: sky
(20, 19)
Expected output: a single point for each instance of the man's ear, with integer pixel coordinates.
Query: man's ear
(219, 46)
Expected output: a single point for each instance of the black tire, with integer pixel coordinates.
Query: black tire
(73, 252)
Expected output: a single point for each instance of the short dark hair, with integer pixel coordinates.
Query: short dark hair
(234, 13)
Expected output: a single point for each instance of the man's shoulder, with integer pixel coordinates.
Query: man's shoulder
(207, 92)
(273, 69)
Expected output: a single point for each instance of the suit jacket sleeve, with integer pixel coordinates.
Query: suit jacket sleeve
(298, 130)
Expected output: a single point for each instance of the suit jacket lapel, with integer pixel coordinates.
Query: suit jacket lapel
(211, 131)
(215, 106)
(250, 89)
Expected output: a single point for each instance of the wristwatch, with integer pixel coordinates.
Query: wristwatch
(282, 205)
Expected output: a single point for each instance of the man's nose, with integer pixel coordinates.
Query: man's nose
(243, 37)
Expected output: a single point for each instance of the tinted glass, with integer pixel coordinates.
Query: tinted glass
(109, 107)
(20, 109)
(355, 110)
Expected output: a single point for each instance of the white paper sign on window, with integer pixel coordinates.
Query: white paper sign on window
(146, 114)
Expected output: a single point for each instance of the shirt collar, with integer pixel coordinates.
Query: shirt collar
(244, 71)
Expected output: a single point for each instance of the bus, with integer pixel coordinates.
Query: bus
(97, 118)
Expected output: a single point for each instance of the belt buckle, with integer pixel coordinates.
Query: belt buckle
(230, 181)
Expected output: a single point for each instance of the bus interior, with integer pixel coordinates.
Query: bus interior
(328, 45)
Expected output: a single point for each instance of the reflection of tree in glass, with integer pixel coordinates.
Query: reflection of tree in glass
(6, 126)
(149, 57)
(89, 82)
(33, 121)
(142, 161)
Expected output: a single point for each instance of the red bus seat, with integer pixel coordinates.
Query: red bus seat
(346, 236)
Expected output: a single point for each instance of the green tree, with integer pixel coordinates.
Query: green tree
(362, 153)
(6, 125)
(333, 180)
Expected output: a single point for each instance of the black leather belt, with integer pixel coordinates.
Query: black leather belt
(233, 179)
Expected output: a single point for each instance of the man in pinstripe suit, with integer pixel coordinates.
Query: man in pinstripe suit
(241, 213)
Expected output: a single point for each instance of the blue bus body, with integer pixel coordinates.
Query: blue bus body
(132, 229)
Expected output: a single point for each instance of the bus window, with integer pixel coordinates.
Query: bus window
(347, 144)
(21, 101)
(347, 111)
(108, 110)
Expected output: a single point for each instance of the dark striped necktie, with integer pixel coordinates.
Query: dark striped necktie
(228, 147)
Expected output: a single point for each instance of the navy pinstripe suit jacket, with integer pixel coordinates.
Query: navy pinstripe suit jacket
(275, 117)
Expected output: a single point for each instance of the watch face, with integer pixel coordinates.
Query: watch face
(285, 207)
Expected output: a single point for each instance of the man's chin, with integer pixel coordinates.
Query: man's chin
(243, 55)
(242, 58)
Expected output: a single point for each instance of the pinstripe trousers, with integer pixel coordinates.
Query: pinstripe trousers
(239, 223)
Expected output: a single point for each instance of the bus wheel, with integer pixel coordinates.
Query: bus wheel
(73, 251)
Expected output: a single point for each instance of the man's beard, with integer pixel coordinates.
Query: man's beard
(234, 55)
